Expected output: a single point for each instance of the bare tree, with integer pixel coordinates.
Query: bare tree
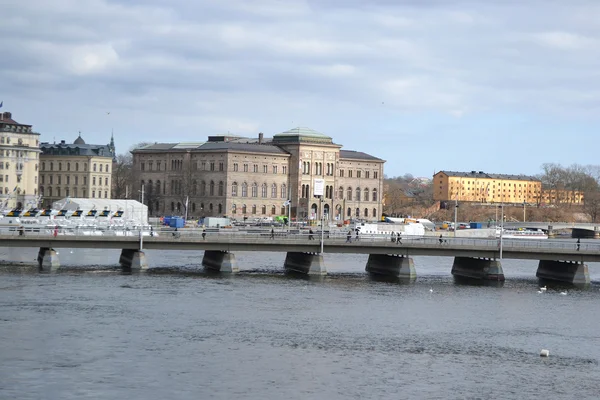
(122, 176)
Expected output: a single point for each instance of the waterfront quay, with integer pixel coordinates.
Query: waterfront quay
(474, 258)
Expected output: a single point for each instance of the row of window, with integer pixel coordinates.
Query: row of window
(318, 168)
(49, 192)
(15, 128)
(359, 174)
(68, 180)
(96, 167)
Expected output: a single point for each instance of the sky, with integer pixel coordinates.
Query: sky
(427, 85)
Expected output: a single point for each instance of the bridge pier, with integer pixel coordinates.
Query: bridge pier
(220, 261)
(478, 268)
(391, 265)
(133, 259)
(563, 271)
(48, 259)
(305, 263)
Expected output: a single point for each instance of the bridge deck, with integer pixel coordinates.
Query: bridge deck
(427, 246)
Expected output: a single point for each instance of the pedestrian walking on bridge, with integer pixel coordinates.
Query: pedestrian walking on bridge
(204, 234)
(310, 234)
(441, 239)
(272, 233)
(349, 237)
(578, 243)
(399, 238)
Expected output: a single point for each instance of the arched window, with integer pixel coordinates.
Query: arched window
(194, 187)
(68, 166)
(349, 212)
(284, 194)
(263, 190)
(374, 213)
(244, 190)
(366, 213)
(264, 210)
(221, 187)
(341, 193)
(76, 166)
(157, 188)
(254, 191)
(51, 166)
(60, 166)
(366, 195)
(94, 167)
(234, 189)
(201, 206)
(212, 188)
(374, 194)
(210, 207)
(357, 212)
(303, 192)
(273, 210)
(282, 210)
(349, 194)
(254, 209)
(178, 207)
(100, 167)
(172, 207)
(244, 209)
(233, 209)
(357, 194)
(220, 208)
(273, 191)
(202, 188)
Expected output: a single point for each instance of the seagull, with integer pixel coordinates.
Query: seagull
(431, 290)
(108, 113)
(563, 293)
(539, 291)
(543, 288)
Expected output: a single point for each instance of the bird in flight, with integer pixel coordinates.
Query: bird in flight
(108, 113)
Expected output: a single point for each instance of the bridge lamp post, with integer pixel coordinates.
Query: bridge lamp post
(524, 210)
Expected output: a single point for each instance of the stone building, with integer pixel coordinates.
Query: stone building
(254, 177)
(19, 159)
(75, 170)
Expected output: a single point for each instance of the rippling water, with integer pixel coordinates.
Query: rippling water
(176, 333)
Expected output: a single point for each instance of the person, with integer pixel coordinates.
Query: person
(175, 233)
(357, 233)
(440, 239)
(393, 237)
(349, 236)
(272, 233)
(55, 231)
(578, 243)
(203, 233)
(310, 234)
(151, 231)
(399, 238)
(21, 230)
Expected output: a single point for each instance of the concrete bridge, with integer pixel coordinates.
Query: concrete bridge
(476, 258)
(578, 229)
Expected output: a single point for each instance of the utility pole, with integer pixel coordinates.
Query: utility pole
(455, 214)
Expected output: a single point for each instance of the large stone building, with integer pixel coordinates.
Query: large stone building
(478, 186)
(75, 170)
(254, 177)
(19, 159)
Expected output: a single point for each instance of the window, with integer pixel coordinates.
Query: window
(284, 191)
(357, 194)
(263, 190)
(274, 169)
(265, 169)
(233, 209)
(212, 165)
(68, 180)
(374, 194)
(77, 180)
(60, 166)
(374, 212)
(221, 166)
(358, 174)
(235, 167)
(264, 210)
(95, 167)
(284, 169)
(93, 180)
(68, 166)
(255, 168)
(341, 193)
(254, 191)
(221, 188)
(273, 210)
(234, 189)
(148, 163)
(341, 173)
(244, 191)
(202, 188)
(76, 166)
(254, 209)
(374, 174)
(366, 195)
(245, 167)
(51, 166)
(349, 173)
(273, 190)
(42, 180)
(244, 210)
(93, 193)
(107, 171)
(106, 181)
(212, 188)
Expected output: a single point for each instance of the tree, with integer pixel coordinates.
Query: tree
(122, 176)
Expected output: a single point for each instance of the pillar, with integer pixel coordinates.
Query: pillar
(220, 261)
(391, 265)
(478, 268)
(305, 263)
(48, 259)
(564, 271)
(133, 259)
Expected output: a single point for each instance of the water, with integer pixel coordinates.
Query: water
(176, 333)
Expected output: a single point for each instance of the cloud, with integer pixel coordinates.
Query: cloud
(257, 65)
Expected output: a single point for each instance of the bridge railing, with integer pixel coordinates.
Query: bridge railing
(301, 237)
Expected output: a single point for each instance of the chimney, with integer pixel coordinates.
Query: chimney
(62, 142)
(260, 137)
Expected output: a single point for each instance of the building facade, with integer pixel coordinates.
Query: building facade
(255, 177)
(19, 162)
(75, 170)
(481, 187)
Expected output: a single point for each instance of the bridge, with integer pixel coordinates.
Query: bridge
(477, 258)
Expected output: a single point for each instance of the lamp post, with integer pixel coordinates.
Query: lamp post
(501, 228)
(322, 222)
(455, 214)
(524, 210)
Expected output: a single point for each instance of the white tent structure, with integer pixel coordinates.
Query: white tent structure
(133, 210)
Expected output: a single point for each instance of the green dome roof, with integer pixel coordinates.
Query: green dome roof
(301, 134)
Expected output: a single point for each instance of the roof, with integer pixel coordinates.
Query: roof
(357, 155)
(302, 134)
(68, 149)
(484, 175)
(6, 118)
(245, 147)
(79, 140)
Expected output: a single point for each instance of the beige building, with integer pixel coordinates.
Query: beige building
(75, 170)
(19, 159)
(245, 177)
(478, 186)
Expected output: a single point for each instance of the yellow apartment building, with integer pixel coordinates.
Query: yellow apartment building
(19, 158)
(75, 170)
(481, 187)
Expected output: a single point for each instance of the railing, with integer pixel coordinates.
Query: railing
(331, 238)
